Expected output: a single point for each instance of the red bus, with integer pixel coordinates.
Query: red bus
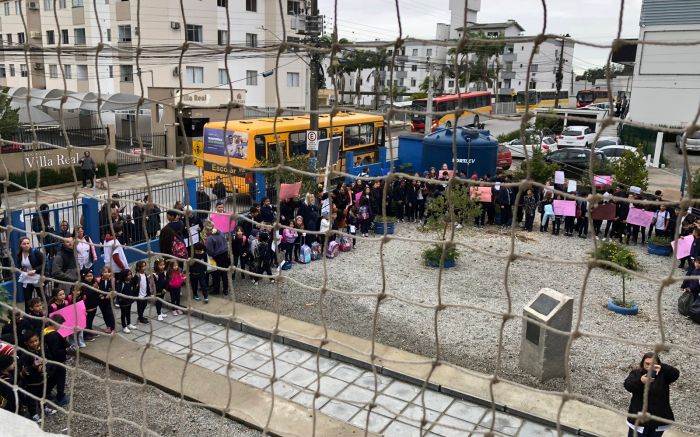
(477, 101)
(587, 97)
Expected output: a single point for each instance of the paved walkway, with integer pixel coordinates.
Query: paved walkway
(399, 410)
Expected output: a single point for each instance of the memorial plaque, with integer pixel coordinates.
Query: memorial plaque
(544, 304)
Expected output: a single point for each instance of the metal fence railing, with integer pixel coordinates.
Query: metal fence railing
(129, 158)
(82, 137)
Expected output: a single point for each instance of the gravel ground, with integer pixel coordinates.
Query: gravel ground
(469, 338)
(165, 416)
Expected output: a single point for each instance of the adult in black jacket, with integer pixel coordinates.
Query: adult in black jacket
(203, 203)
(30, 261)
(309, 211)
(247, 223)
(505, 199)
(659, 403)
(288, 208)
(152, 218)
(219, 190)
(398, 197)
(139, 216)
(65, 267)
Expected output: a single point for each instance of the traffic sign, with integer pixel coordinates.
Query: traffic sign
(311, 140)
(198, 153)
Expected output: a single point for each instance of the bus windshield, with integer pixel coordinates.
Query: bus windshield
(585, 96)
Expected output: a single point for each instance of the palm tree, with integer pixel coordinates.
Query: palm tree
(475, 68)
(377, 60)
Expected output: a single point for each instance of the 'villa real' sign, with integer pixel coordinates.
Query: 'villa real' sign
(52, 160)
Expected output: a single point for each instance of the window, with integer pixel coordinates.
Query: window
(401, 82)
(2, 71)
(251, 5)
(23, 70)
(12, 70)
(194, 74)
(50, 37)
(110, 68)
(223, 77)
(534, 68)
(293, 7)
(292, 80)
(414, 52)
(79, 37)
(77, 3)
(18, 7)
(9, 39)
(64, 36)
(20, 38)
(124, 33)
(251, 40)
(221, 3)
(297, 143)
(251, 77)
(61, 4)
(68, 71)
(109, 34)
(53, 71)
(450, 83)
(356, 135)
(194, 33)
(48, 4)
(428, 52)
(7, 8)
(413, 82)
(81, 72)
(222, 37)
(126, 73)
(414, 67)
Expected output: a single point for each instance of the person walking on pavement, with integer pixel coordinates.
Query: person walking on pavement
(88, 168)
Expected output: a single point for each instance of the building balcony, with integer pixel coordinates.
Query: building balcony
(123, 11)
(505, 91)
(509, 57)
(400, 74)
(505, 75)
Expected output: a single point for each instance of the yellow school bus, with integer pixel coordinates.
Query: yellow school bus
(247, 142)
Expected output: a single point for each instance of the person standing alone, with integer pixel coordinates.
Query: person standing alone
(89, 168)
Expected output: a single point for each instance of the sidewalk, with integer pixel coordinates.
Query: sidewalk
(21, 199)
(345, 388)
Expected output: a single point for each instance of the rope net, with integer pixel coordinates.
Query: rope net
(436, 310)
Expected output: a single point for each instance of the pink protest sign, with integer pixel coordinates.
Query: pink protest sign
(567, 208)
(358, 195)
(602, 181)
(484, 193)
(289, 190)
(75, 316)
(640, 217)
(684, 245)
(223, 222)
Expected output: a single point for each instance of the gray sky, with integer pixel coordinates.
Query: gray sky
(593, 21)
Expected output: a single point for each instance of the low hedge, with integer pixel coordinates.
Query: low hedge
(51, 176)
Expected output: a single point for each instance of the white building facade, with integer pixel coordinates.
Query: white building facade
(666, 83)
(254, 23)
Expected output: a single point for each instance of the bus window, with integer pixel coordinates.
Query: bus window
(259, 147)
(450, 106)
(297, 143)
(272, 148)
(352, 135)
(367, 133)
(380, 136)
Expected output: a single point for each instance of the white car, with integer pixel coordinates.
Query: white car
(614, 153)
(576, 136)
(517, 150)
(608, 141)
(605, 106)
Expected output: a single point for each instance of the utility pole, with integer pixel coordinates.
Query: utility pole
(429, 106)
(560, 70)
(313, 77)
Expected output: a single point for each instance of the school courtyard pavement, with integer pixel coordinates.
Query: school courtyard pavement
(231, 360)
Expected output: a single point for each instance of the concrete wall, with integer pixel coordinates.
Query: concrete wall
(55, 159)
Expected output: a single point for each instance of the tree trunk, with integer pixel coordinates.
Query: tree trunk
(357, 88)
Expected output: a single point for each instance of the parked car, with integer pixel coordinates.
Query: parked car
(692, 145)
(504, 159)
(604, 106)
(576, 136)
(517, 149)
(608, 141)
(11, 147)
(575, 160)
(613, 153)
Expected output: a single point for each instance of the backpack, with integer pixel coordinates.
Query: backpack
(333, 249)
(316, 251)
(286, 265)
(262, 252)
(345, 244)
(684, 302)
(694, 311)
(179, 249)
(305, 254)
(363, 213)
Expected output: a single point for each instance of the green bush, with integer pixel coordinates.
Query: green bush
(502, 138)
(621, 256)
(660, 241)
(50, 176)
(433, 254)
(631, 169)
(542, 171)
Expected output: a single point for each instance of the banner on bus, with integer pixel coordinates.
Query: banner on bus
(233, 144)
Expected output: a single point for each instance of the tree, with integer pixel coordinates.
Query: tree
(9, 117)
(325, 42)
(631, 169)
(593, 74)
(474, 60)
(378, 61)
(394, 92)
(541, 170)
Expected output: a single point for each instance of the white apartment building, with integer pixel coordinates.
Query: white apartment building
(254, 23)
(666, 82)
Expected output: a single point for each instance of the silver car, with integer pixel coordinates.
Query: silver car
(693, 142)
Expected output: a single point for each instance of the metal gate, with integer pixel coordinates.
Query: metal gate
(129, 153)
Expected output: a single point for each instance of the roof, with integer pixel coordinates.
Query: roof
(488, 26)
(301, 122)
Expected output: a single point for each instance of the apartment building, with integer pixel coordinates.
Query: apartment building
(78, 28)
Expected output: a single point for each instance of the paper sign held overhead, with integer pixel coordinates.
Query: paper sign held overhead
(558, 177)
(604, 212)
(602, 181)
(571, 188)
(566, 208)
(223, 222)
(289, 190)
